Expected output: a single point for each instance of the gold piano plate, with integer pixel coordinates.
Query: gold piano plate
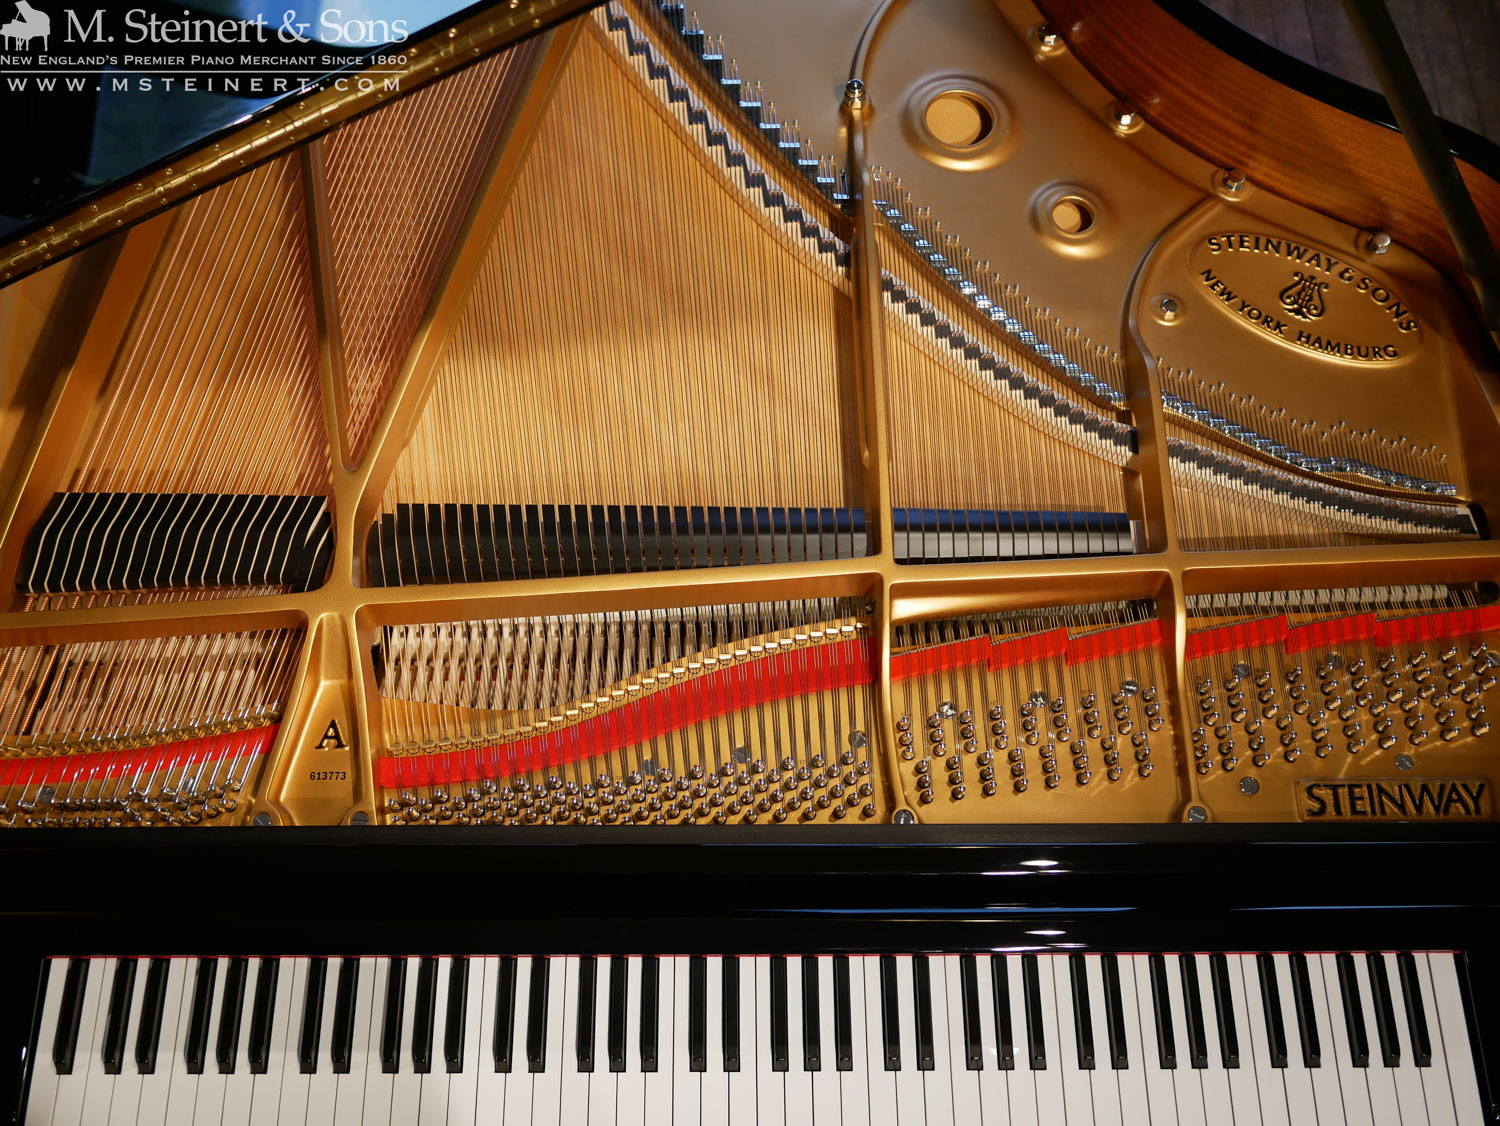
(665, 418)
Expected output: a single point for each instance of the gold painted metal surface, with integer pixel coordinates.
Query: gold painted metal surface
(601, 312)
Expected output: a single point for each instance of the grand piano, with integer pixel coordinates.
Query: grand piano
(890, 562)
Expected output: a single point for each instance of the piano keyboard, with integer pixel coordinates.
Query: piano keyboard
(1202, 1039)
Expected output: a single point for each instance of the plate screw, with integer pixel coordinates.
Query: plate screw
(1377, 242)
(1124, 113)
(1404, 761)
(1249, 786)
(905, 817)
(1047, 35)
(262, 819)
(1197, 815)
(1233, 180)
(360, 818)
(854, 93)
(1168, 308)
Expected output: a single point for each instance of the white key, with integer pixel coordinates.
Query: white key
(546, 1096)
(659, 1083)
(1354, 1090)
(799, 1109)
(1021, 1082)
(294, 1084)
(1187, 1079)
(519, 1080)
(742, 1082)
(715, 1081)
(1256, 1051)
(67, 1109)
(1104, 1078)
(1161, 1090)
(827, 1094)
(89, 1058)
(184, 1089)
(992, 1083)
(1449, 1016)
(573, 1105)
(1050, 1107)
(1381, 1079)
(432, 1093)
(646, 1097)
(44, 1077)
(1327, 1096)
(406, 1084)
(125, 1105)
(1244, 1088)
(209, 1105)
(1135, 1095)
(156, 1087)
(1217, 1103)
(489, 1084)
(882, 1083)
(1078, 1090)
(1408, 1076)
(1435, 1082)
(1300, 1103)
(965, 1083)
(687, 1084)
(910, 1100)
(349, 1088)
(379, 1083)
(604, 1083)
(937, 1084)
(854, 1084)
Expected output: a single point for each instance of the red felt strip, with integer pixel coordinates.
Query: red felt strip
(724, 691)
(44, 770)
(939, 658)
(1449, 623)
(1331, 633)
(1026, 650)
(1114, 642)
(1237, 637)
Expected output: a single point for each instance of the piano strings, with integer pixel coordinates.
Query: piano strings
(145, 731)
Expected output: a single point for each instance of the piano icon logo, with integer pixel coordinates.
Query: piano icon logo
(30, 23)
(1303, 299)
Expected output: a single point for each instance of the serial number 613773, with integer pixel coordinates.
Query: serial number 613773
(327, 775)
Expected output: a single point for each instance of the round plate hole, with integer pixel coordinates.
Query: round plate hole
(1071, 215)
(959, 119)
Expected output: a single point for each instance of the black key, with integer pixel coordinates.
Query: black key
(812, 1039)
(890, 1013)
(341, 1047)
(731, 1008)
(843, 1037)
(650, 1018)
(505, 1013)
(1114, 1006)
(457, 1018)
(69, 1013)
(921, 976)
(1003, 1036)
(968, 977)
(260, 1015)
(1270, 999)
(390, 1027)
(312, 1016)
(1036, 1040)
(153, 1002)
(779, 1037)
(697, 1013)
(1416, 1015)
(1354, 1016)
(536, 1015)
(1161, 1002)
(1385, 1011)
(1229, 1037)
(1083, 1024)
(1307, 1015)
(588, 972)
(619, 984)
(424, 1016)
(236, 971)
(1192, 1003)
(198, 1015)
(120, 991)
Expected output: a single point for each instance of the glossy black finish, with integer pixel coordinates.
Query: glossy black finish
(759, 890)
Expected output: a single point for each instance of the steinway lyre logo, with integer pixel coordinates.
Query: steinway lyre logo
(1304, 297)
(30, 23)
